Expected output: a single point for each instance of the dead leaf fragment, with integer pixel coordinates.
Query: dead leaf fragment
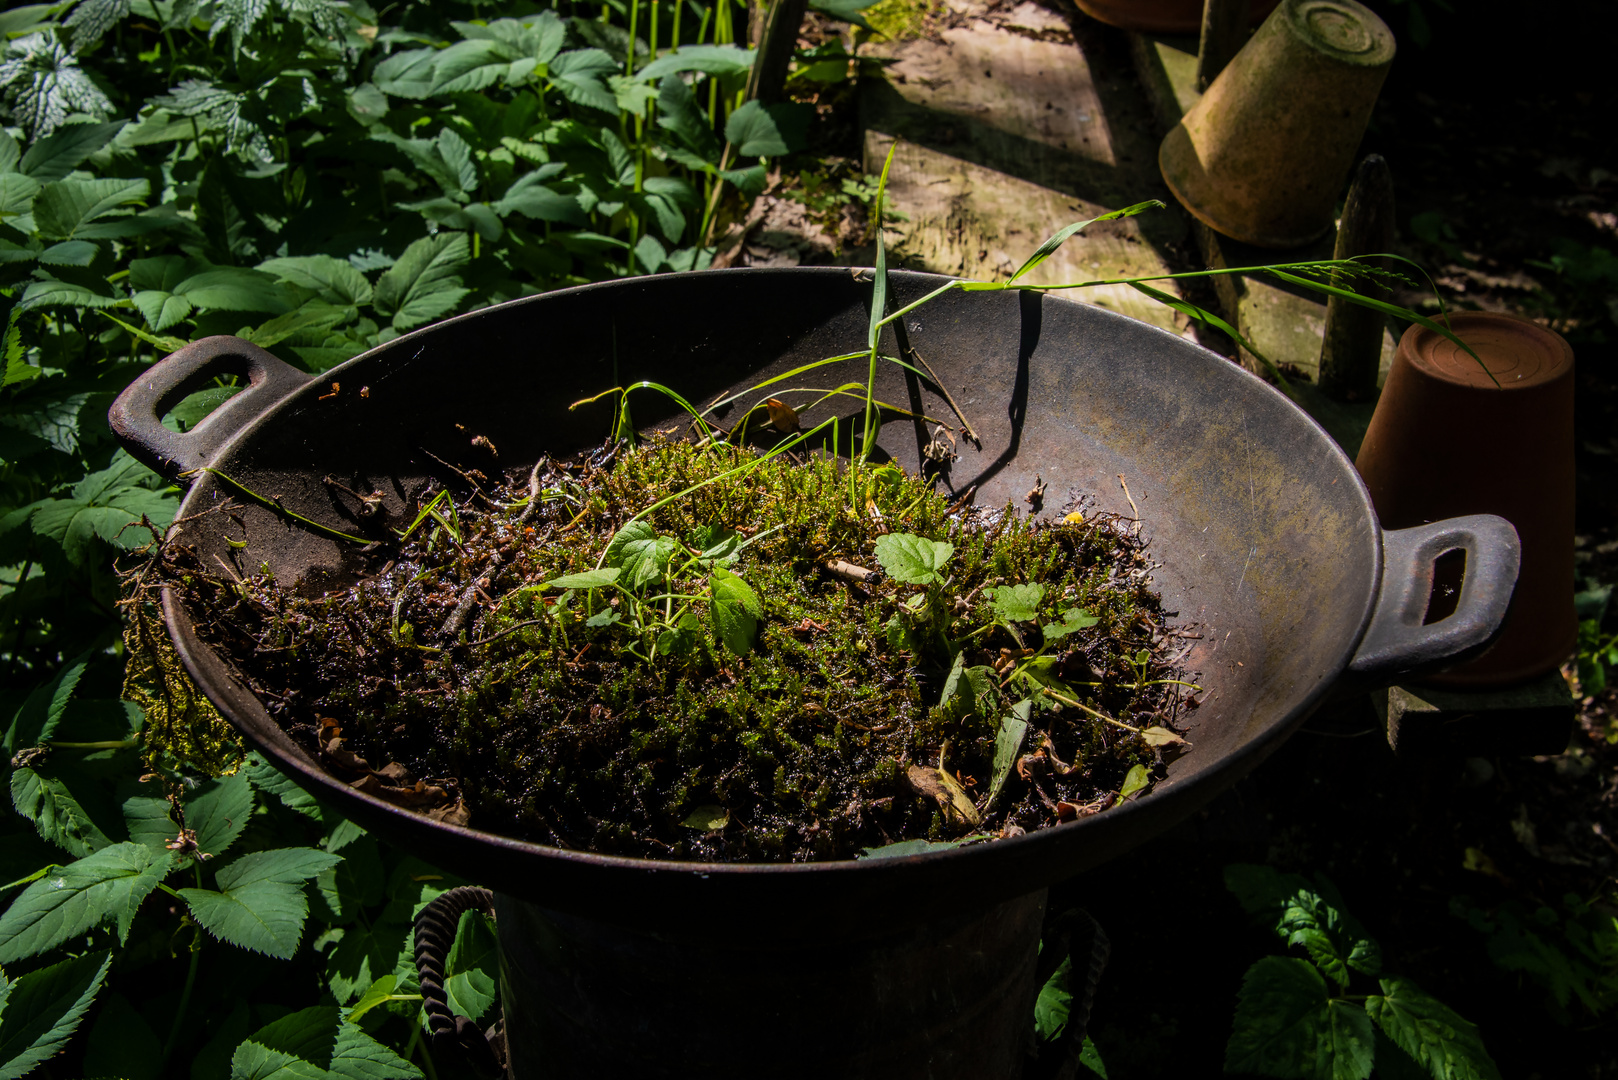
(1162, 736)
(783, 417)
(946, 791)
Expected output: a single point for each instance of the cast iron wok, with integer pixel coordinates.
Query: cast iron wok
(1268, 544)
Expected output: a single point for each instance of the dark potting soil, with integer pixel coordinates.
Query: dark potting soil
(747, 671)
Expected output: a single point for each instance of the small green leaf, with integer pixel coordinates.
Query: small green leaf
(590, 579)
(471, 966)
(42, 711)
(603, 618)
(218, 812)
(426, 282)
(1073, 620)
(1306, 913)
(759, 130)
(682, 639)
(641, 553)
(1431, 1032)
(717, 545)
(45, 798)
(912, 559)
(44, 1008)
(1288, 1026)
(379, 993)
(317, 1044)
(736, 610)
(260, 905)
(707, 818)
(71, 900)
(1016, 603)
(1007, 745)
(916, 847)
(1055, 1002)
(1137, 780)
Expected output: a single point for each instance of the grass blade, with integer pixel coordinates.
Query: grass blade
(1208, 318)
(1057, 239)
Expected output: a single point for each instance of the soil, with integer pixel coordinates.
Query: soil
(651, 652)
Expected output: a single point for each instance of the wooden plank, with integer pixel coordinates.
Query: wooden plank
(1010, 130)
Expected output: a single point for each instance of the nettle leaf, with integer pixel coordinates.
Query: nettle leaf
(260, 905)
(1073, 620)
(317, 1044)
(425, 282)
(1440, 1041)
(1016, 603)
(736, 610)
(93, 18)
(44, 1008)
(711, 59)
(641, 554)
(912, 559)
(71, 900)
(759, 130)
(471, 967)
(1309, 914)
(333, 280)
(1288, 1025)
(56, 155)
(45, 84)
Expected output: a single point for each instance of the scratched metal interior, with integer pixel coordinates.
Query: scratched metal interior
(1267, 543)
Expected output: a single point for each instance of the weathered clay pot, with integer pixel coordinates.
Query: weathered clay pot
(1161, 16)
(1447, 440)
(1264, 155)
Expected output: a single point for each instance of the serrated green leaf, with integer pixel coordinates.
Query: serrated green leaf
(1055, 1002)
(266, 778)
(759, 130)
(44, 707)
(121, 1043)
(56, 811)
(218, 811)
(969, 690)
(425, 283)
(1287, 1025)
(93, 18)
(68, 902)
(711, 59)
(913, 847)
(640, 553)
(589, 579)
(58, 154)
(260, 903)
(912, 559)
(361, 955)
(1073, 620)
(471, 968)
(334, 280)
(229, 288)
(311, 322)
(735, 609)
(407, 74)
(44, 1008)
(65, 206)
(354, 884)
(317, 1044)
(70, 253)
(1306, 913)
(579, 74)
(1432, 1033)
(529, 197)
(1016, 603)
(17, 195)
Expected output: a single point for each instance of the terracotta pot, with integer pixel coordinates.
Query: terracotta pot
(1447, 440)
(1161, 16)
(1263, 156)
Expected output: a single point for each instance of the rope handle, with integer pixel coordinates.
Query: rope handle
(434, 935)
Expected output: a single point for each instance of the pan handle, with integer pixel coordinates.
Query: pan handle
(1396, 643)
(136, 417)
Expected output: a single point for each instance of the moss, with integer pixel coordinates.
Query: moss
(605, 736)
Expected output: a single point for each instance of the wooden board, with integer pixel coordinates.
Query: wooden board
(1011, 128)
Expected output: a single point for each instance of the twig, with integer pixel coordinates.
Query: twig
(1128, 496)
(966, 424)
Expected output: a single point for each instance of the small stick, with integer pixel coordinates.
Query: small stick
(1128, 496)
(966, 425)
(849, 572)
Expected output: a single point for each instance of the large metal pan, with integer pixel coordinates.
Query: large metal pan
(1268, 543)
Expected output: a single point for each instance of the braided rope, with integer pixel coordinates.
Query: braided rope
(434, 935)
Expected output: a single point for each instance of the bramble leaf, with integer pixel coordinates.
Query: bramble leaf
(44, 1008)
(1288, 1026)
(1431, 1032)
(260, 905)
(71, 900)
(1309, 914)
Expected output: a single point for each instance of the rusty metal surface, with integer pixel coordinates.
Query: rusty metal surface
(952, 999)
(1267, 542)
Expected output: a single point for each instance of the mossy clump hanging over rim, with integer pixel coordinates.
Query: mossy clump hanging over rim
(786, 663)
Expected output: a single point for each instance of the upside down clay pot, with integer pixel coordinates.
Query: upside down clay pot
(1160, 16)
(1262, 157)
(1448, 439)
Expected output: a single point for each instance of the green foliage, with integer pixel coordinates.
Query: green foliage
(1292, 1023)
(1571, 954)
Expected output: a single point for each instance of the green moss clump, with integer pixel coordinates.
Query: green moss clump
(623, 718)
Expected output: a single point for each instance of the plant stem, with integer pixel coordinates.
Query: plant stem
(185, 1000)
